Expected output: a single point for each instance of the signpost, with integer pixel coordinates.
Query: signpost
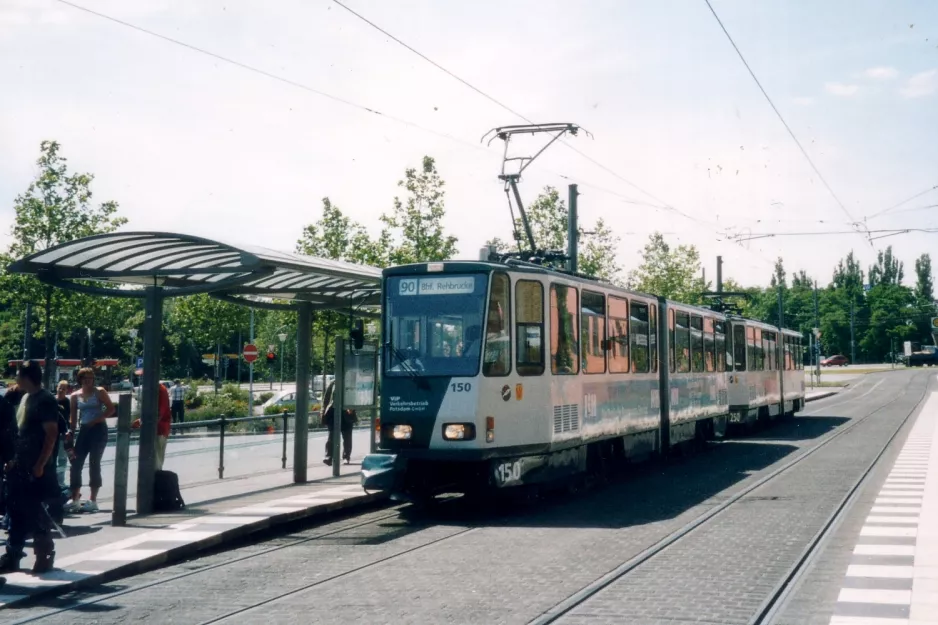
(249, 353)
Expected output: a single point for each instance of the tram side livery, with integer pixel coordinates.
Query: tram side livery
(497, 375)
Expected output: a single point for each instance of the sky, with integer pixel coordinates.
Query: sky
(683, 141)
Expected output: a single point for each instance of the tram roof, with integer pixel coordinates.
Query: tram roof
(183, 264)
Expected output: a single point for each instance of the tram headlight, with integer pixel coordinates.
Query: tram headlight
(459, 431)
(402, 432)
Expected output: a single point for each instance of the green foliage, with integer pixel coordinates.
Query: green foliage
(207, 321)
(415, 225)
(673, 273)
(230, 401)
(263, 397)
(54, 209)
(883, 316)
(338, 237)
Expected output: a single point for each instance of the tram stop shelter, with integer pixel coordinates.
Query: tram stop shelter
(156, 265)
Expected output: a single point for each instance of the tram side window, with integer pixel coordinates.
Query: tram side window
(772, 356)
(618, 352)
(653, 337)
(497, 358)
(671, 349)
(719, 340)
(697, 344)
(767, 350)
(529, 327)
(788, 359)
(751, 349)
(682, 341)
(799, 353)
(739, 347)
(593, 332)
(564, 353)
(758, 349)
(709, 355)
(638, 335)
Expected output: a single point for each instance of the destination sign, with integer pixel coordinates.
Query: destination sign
(443, 285)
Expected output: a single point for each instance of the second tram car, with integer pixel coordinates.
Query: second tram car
(503, 374)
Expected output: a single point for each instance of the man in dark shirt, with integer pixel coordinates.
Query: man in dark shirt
(32, 474)
(7, 445)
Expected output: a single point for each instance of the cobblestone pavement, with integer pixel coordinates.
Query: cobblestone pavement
(511, 565)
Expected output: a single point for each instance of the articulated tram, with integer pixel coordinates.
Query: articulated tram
(504, 374)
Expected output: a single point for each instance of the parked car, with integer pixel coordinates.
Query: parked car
(928, 356)
(835, 361)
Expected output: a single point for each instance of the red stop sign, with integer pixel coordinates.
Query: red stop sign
(249, 353)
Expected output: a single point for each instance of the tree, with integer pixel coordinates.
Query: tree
(779, 277)
(338, 237)
(597, 246)
(206, 322)
(924, 283)
(55, 208)
(675, 274)
(414, 229)
(924, 298)
(887, 270)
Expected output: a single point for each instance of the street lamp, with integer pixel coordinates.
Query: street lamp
(133, 354)
(283, 337)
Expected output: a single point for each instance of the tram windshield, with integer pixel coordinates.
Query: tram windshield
(434, 324)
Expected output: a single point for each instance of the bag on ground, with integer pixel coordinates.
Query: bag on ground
(166, 495)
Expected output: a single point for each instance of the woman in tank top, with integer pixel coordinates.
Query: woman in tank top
(91, 406)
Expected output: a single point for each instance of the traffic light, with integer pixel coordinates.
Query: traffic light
(271, 357)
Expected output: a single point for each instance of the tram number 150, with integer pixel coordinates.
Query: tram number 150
(508, 472)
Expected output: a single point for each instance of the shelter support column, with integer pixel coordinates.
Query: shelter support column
(149, 407)
(304, 330)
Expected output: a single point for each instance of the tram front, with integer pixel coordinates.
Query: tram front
(437, 319)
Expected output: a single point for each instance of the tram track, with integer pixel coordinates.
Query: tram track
(773, 605)
(560, 609)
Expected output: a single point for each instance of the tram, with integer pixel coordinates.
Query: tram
(502, 374)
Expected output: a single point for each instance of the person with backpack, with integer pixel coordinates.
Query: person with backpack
(349, 419)
(31, 473)
(7, 446)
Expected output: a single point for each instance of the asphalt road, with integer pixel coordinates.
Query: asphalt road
(512, 564)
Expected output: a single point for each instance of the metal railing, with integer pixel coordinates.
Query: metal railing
(223, 423)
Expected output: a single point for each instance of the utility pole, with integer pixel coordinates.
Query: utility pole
(250, 372)
(719, 274)
(853, 345)
(817, 342)
(27, 331)
(573, 231)
(780, 352)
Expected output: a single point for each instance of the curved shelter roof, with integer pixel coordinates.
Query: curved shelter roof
(184, 264)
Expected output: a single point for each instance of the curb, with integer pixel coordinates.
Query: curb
(824, 395)
(183, 552)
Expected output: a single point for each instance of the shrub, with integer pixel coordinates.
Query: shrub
(279, 408)
(214, 406)
(234, 392)
(264, 397)
(193, 399)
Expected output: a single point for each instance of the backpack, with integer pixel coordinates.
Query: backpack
(166, 495)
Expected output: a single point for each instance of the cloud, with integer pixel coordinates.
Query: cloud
(840, 89)
(921, 84)
(803, 101)
(881, 73)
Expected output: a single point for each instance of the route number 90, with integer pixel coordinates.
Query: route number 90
(508, 472)
(408, 287)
